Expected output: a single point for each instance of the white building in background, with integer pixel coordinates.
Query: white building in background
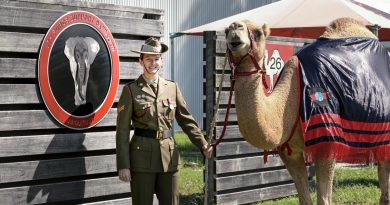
(181, 15)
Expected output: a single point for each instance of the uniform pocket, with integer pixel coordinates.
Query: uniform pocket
(174, 152)
(169, 109)
(140, 154)
(142, 109)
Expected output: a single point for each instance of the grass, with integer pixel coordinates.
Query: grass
(351, 186)
(191, 171)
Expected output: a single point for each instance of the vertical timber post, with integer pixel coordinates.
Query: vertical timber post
(209, 54)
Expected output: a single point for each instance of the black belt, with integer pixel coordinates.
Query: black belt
(154, 134)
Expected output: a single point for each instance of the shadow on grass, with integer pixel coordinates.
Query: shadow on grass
(354, 182)
(192, 199)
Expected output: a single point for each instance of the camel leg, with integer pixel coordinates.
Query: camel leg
(384, 182)
(296, 166)
(324, 180)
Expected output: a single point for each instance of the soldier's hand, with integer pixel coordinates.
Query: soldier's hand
(207, 151)
(124, 175)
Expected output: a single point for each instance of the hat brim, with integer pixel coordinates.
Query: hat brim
(164, 48)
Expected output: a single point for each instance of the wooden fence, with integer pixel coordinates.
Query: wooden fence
(237, 174)
(41, 161)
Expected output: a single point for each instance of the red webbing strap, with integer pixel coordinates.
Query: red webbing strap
(232, 81)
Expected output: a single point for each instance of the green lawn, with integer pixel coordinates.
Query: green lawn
(191, 171)
(351, 186)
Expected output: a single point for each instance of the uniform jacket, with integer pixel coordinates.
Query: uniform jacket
(140, 107)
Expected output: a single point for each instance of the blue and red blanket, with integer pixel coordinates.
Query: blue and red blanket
(345, 100)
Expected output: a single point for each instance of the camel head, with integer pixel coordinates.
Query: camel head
(347, 27)
(238, 38)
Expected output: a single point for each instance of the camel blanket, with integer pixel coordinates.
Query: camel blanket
(345, 99)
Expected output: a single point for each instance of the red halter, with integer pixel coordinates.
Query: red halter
(252, 53)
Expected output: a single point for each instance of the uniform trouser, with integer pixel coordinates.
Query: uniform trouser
(164, 184)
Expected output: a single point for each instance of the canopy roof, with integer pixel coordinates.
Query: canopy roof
(308, 18)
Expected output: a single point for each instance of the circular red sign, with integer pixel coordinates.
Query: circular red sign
(52, 65)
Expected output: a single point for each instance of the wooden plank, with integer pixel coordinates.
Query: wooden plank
(40, 119)
(252, 179)
(48, 169)
(18, 68)
(44, 18)
(73, 190)
(235, 148)
(220, 46)
(26, 68)
(219, 62)
(56, 143)
(222, 113)
(30, 43)
(102, 9)
(247, 163)
(130, 70)
(255, 195)
(125, 46)
(28, 94)
(20, 42)
(224, 98)
(20, 94)
(125, 201)
(226, 80)
(71, 4)
(232, 132)
(209, 77)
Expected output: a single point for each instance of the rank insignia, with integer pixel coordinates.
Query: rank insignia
(120, 108)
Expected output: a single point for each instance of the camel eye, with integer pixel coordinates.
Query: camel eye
(258, 33)
(240, 27)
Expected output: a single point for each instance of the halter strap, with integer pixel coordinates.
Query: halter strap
(252, 53)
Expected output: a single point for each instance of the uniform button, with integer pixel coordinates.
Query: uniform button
(161, 129)
(159, 114)
(161, 142)
(137, 147)
(157, 101)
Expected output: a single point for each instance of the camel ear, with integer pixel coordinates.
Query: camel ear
(226, 31)
(266, 30)
(93, 49)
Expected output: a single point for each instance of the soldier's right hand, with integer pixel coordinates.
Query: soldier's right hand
(124, 175)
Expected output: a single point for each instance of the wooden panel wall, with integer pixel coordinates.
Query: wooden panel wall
(40, 160)
(237, 173)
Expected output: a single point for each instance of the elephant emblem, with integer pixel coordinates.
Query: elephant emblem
(81, 52)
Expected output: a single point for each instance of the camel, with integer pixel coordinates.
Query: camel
(267, 122)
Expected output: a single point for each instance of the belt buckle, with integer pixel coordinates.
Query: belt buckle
(159, 135)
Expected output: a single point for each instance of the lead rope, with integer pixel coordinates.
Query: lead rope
(212, 126)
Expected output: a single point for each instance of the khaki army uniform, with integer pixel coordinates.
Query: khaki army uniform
(145, 156)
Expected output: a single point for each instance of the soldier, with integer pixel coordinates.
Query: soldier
(150, 104)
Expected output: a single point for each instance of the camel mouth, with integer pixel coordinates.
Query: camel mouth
(235, 44)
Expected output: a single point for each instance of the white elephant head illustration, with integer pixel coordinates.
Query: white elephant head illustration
(81, 52)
